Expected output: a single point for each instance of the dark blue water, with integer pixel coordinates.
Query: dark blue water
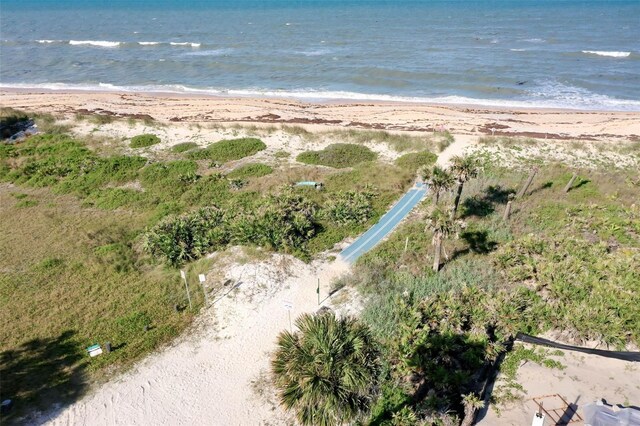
(573, 54)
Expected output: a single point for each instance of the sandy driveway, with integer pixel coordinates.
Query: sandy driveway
(207, 377)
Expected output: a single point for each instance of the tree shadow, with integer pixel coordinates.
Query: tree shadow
(476, 206)
(478, 241)
(42, 373)
(498, 194)
(483, 204)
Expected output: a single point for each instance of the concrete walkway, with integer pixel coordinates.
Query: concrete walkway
(386, 225)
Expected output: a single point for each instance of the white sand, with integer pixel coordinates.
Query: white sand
(585, 379)
(210, 376)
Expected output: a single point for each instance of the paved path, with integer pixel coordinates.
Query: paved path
(387, 223)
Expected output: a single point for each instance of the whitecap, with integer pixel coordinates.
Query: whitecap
(316, 52)
(98, 43)
(148, 43)
(186, 43)
(611, 54)
(535, 40)
(518, 50)
(47, 41)
(213, 52)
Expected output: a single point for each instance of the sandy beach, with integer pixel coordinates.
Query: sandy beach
(458, 120)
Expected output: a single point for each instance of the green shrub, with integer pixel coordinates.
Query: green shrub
(349, 208)
(338, 155)
(250, 170)
(182, 147)
(414, 160)
(143, 141)
(184, 238)
(229, 150)
(283, 222)
(169, 180)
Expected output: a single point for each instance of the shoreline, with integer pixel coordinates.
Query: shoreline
(290, 97)
(559, 124)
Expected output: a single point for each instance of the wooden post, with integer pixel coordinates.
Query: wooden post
(570, 184)
(507, 211)
(528, 183)
(186, 286)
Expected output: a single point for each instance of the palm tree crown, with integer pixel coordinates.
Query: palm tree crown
(325, 372)
(439, 179)
(440, 223)
(464, 168)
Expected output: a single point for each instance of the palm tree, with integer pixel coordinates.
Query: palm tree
(463, 169)
(471, 405)
(326, 371)
(442, 225)
(439, 180)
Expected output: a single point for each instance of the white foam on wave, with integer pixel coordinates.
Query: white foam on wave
(48, 41)
(535, 40)
(550, 95)
(315, 52)
(213, 52)
(175, 43)
(518, 50)
(148, 43)
(97, 43)
(611, 54)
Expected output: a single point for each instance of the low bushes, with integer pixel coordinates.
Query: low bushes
(229, 150)
(250, 170)
(350, 208)
(143, 141)
(414, 160)
(183, 238)
(283, 222)
(182, 147)
(338, 155)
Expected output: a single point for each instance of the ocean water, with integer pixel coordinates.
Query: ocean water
(532, 53)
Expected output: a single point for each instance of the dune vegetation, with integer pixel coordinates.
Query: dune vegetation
(94, 238)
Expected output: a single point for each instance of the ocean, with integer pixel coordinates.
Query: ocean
(518, 53)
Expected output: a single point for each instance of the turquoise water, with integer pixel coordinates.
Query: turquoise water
(571, 54)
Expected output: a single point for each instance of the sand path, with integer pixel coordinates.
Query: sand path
(206, 379)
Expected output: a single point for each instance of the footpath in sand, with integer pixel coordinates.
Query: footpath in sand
(215, 374)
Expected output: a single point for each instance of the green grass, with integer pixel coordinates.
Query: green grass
(339, 156)
(72, 279)
(144, 141)
(183, 147)
(251, 170)
(399, 142)
(229, 150)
